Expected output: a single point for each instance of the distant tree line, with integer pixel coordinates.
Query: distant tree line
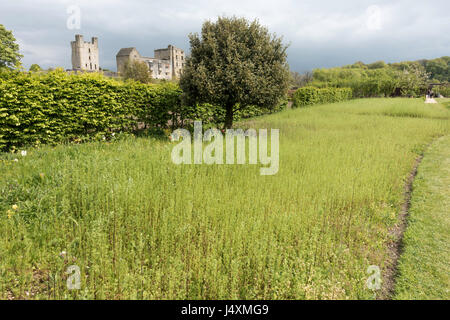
(408, 78)
(439, 69)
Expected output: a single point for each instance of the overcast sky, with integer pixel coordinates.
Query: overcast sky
(321, 33)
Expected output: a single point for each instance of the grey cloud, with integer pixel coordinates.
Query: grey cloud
(320, 33)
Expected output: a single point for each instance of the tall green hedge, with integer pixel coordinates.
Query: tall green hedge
(55, 107)
(306, 96)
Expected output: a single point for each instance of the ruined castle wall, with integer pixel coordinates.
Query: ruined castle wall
(85, 55)
(175, 55)
(167, 63)
(161, 69)
(121, 60)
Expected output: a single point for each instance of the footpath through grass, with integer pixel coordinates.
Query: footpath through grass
(424, 267)
(139, 226)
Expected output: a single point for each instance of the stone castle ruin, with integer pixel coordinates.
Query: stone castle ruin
(167, 63)
(85, 55)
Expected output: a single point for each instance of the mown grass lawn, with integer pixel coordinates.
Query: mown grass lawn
(139, 226)
(424, 267)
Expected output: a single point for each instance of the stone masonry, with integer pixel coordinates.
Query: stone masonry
(85, 55)
(167, 64)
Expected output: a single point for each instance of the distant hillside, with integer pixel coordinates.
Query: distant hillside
(380, 79)
(431, 71)
(438, 69)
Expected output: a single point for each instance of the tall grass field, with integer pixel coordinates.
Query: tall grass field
(140, 227)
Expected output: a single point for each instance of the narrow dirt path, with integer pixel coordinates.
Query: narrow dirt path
(396, 247)
(430, 100)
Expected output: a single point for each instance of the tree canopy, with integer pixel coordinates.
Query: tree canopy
(35, 68)
(407, 78)
(9, 49)
(138, 71)
(234, 64)
(439, 69)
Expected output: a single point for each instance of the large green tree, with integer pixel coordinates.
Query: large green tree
(138, 71)
(234, 64)
(9, 49)
(439, 68)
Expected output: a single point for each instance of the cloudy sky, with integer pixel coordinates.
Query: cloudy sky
(320, 33)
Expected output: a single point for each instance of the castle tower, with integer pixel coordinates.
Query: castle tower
(85, 55)
(125, 55)
(176, 57)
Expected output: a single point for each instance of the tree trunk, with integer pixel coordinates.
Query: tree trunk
(229, 116)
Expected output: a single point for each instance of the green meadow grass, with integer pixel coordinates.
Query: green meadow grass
(140, 227)
(424, 267)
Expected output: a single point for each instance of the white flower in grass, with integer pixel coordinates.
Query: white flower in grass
(23, 153)
(16, 160)
(63, 254)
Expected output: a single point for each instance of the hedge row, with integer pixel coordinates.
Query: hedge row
(306, 96)
(57, 107)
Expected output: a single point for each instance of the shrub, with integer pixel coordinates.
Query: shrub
(309, 95)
